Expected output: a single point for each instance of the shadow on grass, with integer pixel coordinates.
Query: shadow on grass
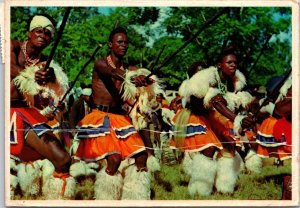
(167, 186)
(277, 178)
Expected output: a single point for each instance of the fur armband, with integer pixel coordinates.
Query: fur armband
(130, 90)
(237, 124)
(211, 93)
(26, 83)
(244, 99)
(48, 110)
(267, 108)
(144, 95)
(167, 115)
(199, 84)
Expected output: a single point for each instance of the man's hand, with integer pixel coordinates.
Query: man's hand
(141, 81)
(43, 76)
(61, 106)
(248, 122)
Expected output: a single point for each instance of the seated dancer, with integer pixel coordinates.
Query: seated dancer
(220, 92)
(35, 91)
(193, 135)
(107, 133)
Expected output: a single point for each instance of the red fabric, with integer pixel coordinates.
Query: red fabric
(282, 126)
(19, 117)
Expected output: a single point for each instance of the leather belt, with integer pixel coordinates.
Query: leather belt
(108, 109)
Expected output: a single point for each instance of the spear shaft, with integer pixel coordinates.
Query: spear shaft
(59, 35)
(203, 27)
(80, 72)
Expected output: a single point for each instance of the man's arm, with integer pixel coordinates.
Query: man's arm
(74, 114)
(14, 68)
(283, 108)
(220, 104)
(102, 68)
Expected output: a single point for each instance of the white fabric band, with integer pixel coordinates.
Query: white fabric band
(41, 21)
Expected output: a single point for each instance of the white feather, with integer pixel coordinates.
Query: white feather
(82, 168)
(253, 162)
(29, 177)
(26, 83)
(13, 185)
(212, 92)
(240, 81)
(153, 164)
(136, 184)
(53, 188)
(202, 175)
(227, 174)
(108, 187)
(199, 84)
(237, 124)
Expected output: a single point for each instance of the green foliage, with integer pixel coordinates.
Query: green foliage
(247, 28)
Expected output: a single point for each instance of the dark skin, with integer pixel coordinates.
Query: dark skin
(283, 108)
(101, 96)
(38, 39)
(46, 146)
(227, 68)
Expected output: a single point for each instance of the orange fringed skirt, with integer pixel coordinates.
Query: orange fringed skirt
(102, 134)
(197, 135)
(274, 139)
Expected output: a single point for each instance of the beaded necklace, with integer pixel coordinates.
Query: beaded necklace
(111, 63)
(221, 86)
(29, 61)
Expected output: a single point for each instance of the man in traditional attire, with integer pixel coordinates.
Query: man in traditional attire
(193, 135)
(35, 93)
(107, 133)
(218, 93)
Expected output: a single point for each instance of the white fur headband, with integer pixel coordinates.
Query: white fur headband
(41, 21)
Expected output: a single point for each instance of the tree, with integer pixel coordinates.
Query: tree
(247, 28)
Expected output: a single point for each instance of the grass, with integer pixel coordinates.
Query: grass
(264, 186)
(171, 184)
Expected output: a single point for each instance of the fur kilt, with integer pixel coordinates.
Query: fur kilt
(198, 136)
(102, 134)
(274, 139)
(21, 121)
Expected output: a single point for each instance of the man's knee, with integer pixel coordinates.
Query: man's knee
(114, 159)
(113, 163)
(209, 152)
(64, 164)
(56, 152)
(141, 158)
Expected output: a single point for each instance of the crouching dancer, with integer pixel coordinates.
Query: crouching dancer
(193, 134)
(107, 133)
(219, 89)
(34, 93)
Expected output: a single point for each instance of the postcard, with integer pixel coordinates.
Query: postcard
(142, 103)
